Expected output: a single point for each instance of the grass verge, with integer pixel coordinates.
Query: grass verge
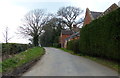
(108, 63)
(21, 58)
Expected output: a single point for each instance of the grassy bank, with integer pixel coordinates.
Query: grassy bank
(108, 63)
(21, 58)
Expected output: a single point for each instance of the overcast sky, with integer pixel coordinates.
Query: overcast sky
(13, 11)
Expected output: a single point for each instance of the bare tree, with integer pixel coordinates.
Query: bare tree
(69, 14)
(33, 24)
(5, 34)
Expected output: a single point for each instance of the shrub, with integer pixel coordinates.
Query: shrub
(57, 45)
(102, 36)
(21, 59)
(13, 48)
(73, 45)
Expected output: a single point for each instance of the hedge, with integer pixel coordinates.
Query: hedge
(56, 45)
(20, 59)
(73, 45)
(13, 48)
(102, 37)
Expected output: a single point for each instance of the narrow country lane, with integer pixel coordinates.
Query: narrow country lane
(58, 63)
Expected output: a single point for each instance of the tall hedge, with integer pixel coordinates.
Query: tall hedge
(73, 45)
(102, 37)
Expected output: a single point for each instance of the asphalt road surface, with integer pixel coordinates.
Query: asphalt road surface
(59, 63)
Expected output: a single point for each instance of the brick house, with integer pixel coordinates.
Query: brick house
(64, 35)
(74, 36)
(92, 15)
(67, 35)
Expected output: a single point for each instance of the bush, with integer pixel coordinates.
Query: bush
(73, 45)
(13, 48)
(21, 59)
(57, 45)
(102, 37)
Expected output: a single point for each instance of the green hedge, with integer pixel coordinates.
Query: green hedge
(57, 45)
(13, 48)
(102, 37)
(21, 59)
(73, 45)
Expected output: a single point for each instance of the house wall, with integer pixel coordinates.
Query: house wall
(88, 18)
(62, 40)
(65, 43)
(74, 38)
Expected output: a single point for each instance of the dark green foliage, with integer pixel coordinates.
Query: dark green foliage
(102, 37)
(47, 38)
(73, 45)
(13, 48)
(57, 45)
(52, 33)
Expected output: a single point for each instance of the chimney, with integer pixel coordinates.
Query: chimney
(74, 26)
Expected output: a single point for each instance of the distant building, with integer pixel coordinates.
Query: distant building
(74, 36)
(67, 35)
(64, 35)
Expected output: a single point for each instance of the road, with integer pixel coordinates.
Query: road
(58, 63)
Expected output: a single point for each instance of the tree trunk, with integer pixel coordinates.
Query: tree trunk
(35, 40)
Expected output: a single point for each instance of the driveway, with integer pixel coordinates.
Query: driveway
(59, 63)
